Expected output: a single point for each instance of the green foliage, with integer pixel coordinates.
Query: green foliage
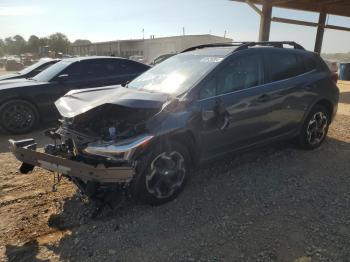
(17, 45)
(33, 44)
(59, 42)
(2, 48)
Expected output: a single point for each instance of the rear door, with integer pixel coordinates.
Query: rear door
(288, 77)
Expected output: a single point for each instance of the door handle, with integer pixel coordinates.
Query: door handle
(263, 98)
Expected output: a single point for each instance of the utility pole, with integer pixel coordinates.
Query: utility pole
(183, 30)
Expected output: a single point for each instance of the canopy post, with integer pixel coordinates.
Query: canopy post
(265, 22)
(320, 32)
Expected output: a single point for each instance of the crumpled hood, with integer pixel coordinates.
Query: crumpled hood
(9, 76)
(77, 102)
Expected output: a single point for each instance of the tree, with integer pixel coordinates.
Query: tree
(43, 41)
(59, 42)
(2, 48)
(15, 45)
(81, 42)
(33, 44)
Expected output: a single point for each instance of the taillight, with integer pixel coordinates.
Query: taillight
(335, 77)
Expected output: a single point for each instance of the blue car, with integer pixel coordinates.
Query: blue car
(207, 101)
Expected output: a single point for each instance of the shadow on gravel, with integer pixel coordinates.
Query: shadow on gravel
(344, 98)
(25, 253)
(37, 134)
(271, 204)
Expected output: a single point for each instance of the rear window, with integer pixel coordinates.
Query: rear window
(309, 63)
(284, 65)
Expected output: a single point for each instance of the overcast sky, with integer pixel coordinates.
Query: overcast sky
(120, 19)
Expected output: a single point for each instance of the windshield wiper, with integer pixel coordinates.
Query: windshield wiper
(31, 78)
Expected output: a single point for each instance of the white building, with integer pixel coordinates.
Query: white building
(148, 48)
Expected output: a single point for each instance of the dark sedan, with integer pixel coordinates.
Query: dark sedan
(32, 70)
(23, 102)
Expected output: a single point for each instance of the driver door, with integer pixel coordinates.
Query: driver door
(236, 106)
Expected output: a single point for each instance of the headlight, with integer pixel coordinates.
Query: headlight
(123, 149)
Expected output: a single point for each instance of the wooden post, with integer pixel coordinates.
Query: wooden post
(320, 32)
(265, 22)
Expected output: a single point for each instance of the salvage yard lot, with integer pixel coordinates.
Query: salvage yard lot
(276, 203)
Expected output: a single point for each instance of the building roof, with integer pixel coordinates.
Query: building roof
(156, 38)
(333, 7)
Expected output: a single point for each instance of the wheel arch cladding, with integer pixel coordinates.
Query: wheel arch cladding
(326, 104)
(187, 139)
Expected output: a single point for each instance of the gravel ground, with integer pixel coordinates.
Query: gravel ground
(276, 203)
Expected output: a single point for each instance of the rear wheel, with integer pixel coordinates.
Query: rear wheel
(18, 116)
(315, 128)
(161, 174)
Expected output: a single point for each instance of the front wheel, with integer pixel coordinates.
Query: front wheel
(315, 128)
(161, 174)
(18, 116)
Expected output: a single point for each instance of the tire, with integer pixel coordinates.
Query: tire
(18, 116)
(315, 128)
(158, 187)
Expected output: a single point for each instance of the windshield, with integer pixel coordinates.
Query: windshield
(177, 74)
(32, 67)
(52, 71)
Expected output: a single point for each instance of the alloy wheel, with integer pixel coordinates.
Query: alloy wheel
(316, 129)
(17, 117)
(166, 175)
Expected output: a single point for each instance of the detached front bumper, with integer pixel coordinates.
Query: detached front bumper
(25, 151)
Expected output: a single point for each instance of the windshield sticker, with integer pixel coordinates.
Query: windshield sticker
(211, 59)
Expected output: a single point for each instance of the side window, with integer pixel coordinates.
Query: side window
(124, 67)
(283, 65)
(44, 66)
(73, 71)
(209, 89)
(309, 63)
(242, 73)
(138, 67)
(93, 68)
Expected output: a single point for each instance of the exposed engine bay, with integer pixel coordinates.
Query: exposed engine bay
(105, 125)
(104, 132)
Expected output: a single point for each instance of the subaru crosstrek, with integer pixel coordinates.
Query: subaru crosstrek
(209, 100)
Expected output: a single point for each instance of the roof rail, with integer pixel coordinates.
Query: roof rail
(214, 45)
(246, 45)
(278, 44)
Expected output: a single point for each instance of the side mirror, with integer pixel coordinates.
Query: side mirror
(62, 78)
(125, 83)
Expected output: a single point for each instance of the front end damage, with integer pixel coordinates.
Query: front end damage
(96, 148)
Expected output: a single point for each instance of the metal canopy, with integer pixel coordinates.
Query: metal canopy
(323, 7)
(332, 7)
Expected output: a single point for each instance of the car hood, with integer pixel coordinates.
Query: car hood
(15, 83)
(9, 76)
(77, 102)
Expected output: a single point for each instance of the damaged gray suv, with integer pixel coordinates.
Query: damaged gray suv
(143, 138)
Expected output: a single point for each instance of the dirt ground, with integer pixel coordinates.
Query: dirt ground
(276, 203)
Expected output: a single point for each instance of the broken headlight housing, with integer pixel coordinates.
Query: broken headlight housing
(123, 149)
